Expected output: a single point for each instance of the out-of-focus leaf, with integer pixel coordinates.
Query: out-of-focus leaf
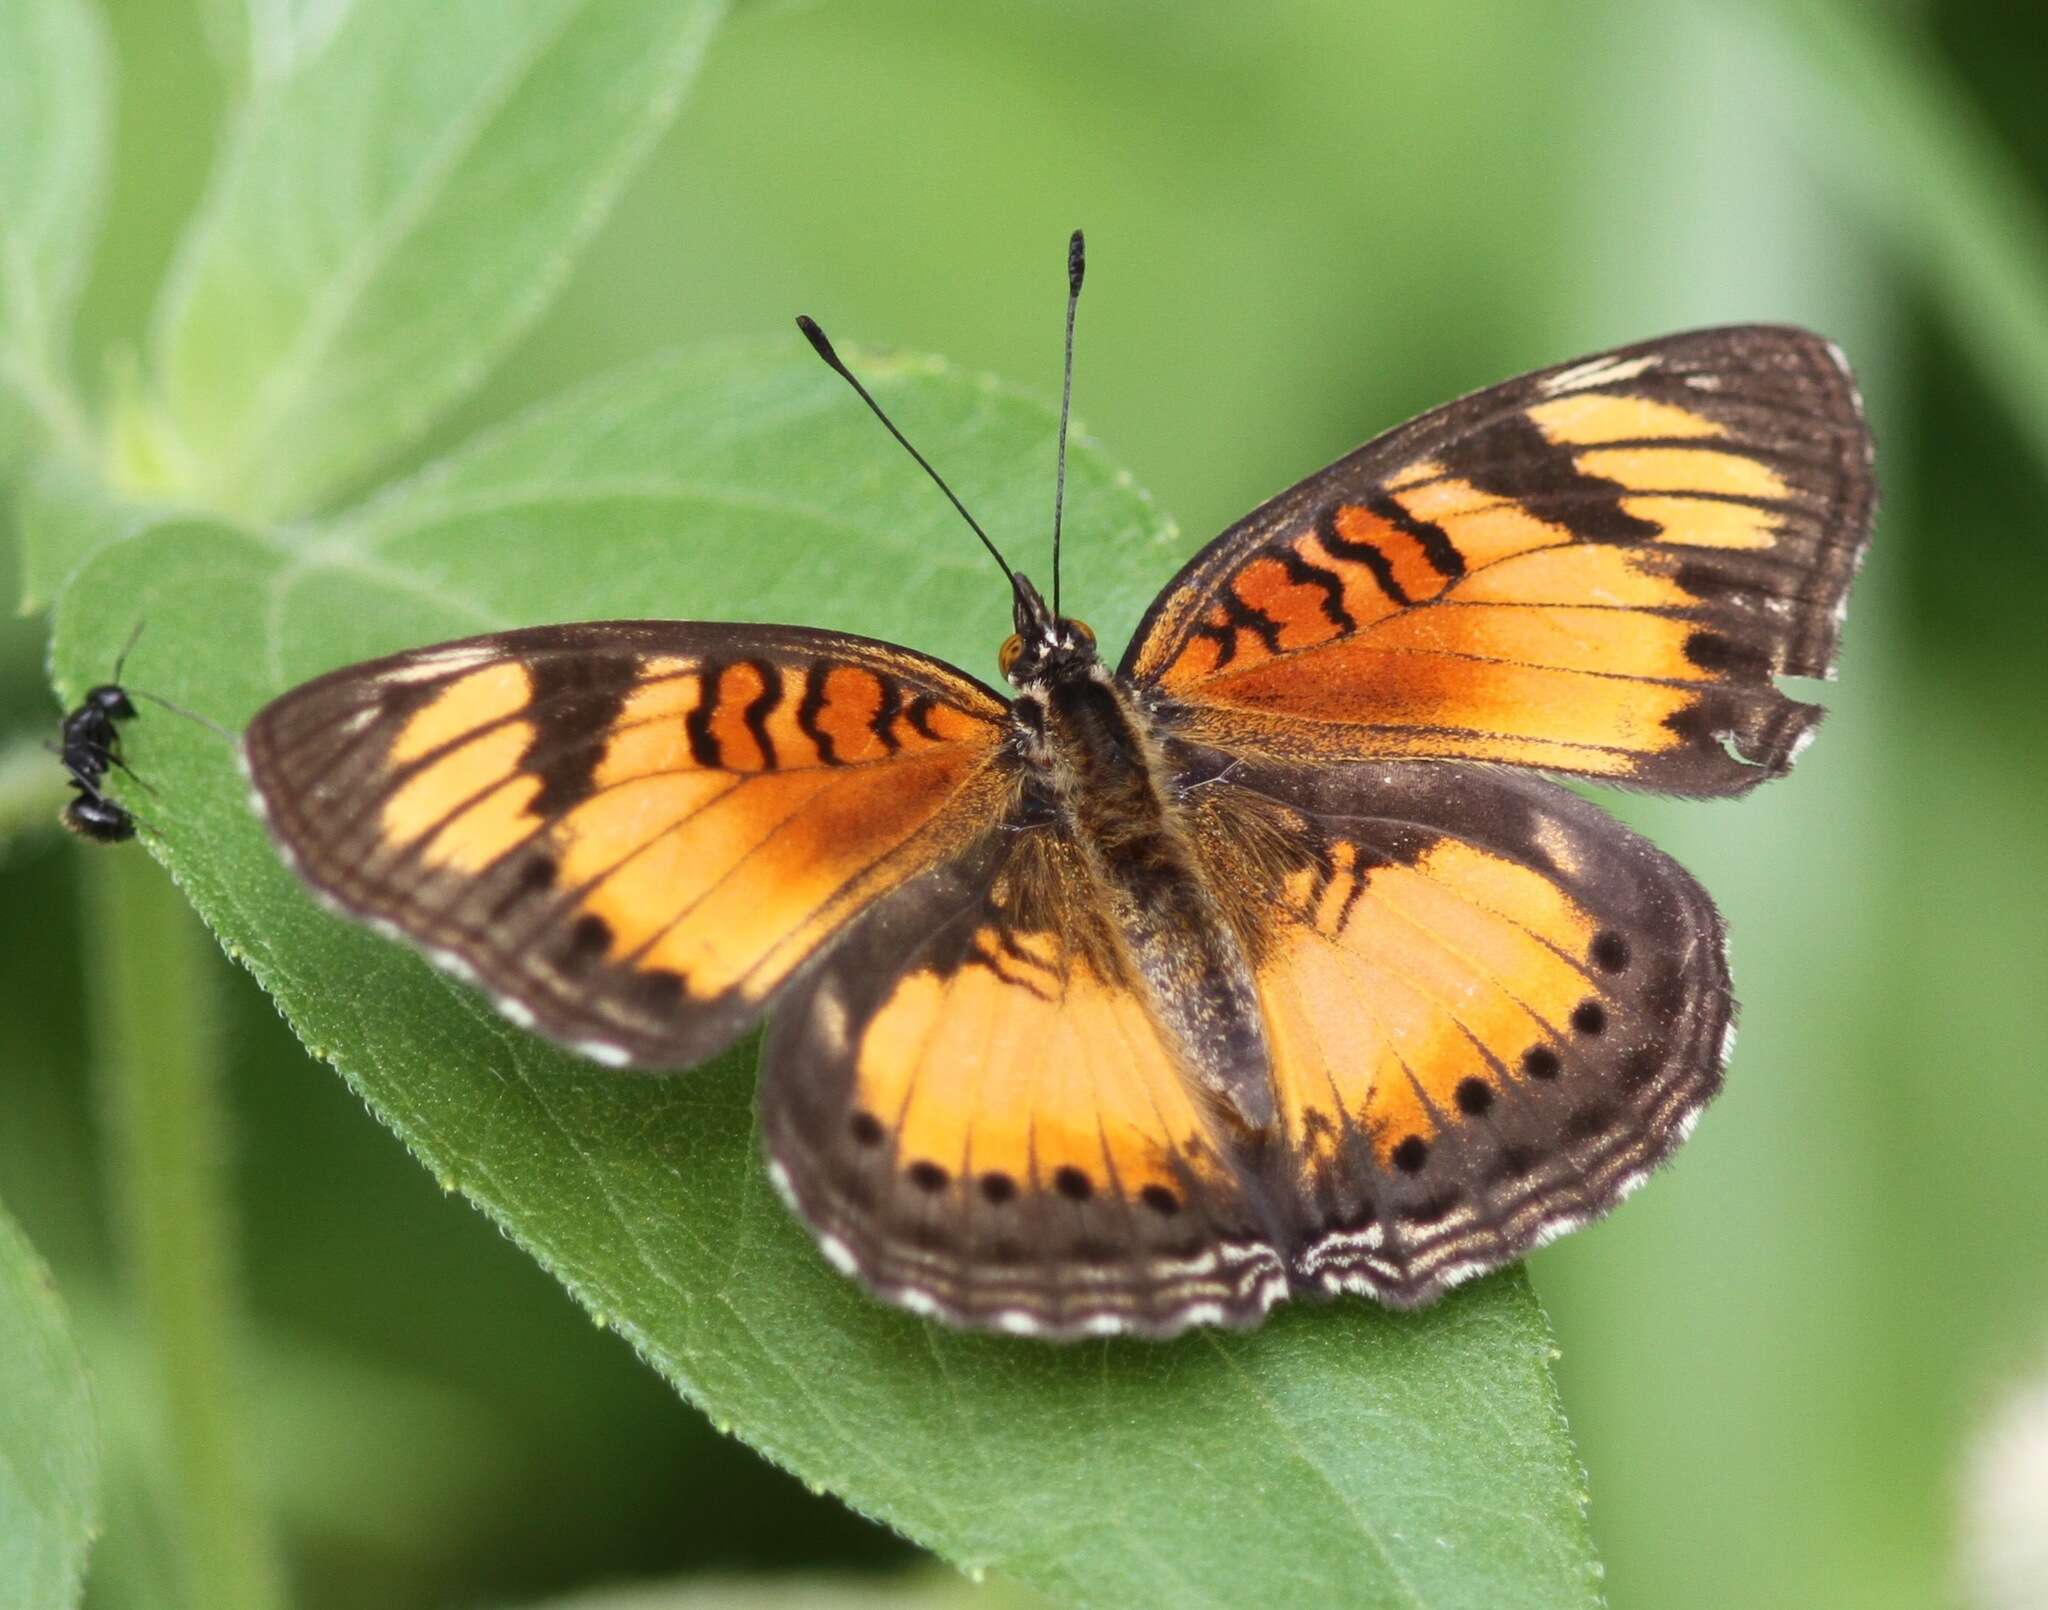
(1340, 1455)
(54, 117)
(327, 1424)
(257, 40)
(63, 514)
(390, 210)
(49, 1449)
(31, 787)
(909, 1590)
(1903, 134)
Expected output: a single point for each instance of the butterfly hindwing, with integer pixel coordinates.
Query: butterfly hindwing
(1491, 1008)
(1491, 1012)
(630, 833)
(971, 1107)
(1595, 569)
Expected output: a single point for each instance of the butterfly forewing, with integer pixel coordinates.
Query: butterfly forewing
(630, 833)
(1595, 569)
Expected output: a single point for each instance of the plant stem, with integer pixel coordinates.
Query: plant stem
(151, 994)
(32, 789)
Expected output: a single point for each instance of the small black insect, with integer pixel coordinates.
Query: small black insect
(90, 748)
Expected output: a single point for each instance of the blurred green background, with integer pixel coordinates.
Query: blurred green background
(1307, 221)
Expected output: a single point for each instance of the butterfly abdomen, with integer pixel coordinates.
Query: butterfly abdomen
(1105, 774)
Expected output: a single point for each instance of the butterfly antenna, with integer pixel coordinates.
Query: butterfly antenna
(823, 347)
(1077, 263)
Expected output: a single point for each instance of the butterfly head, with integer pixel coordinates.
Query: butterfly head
(1047, 646)
(1044, 646)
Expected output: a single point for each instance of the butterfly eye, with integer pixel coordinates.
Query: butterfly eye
(1006, 656)
(1083, 631)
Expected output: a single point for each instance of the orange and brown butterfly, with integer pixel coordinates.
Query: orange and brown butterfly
(1268, 963)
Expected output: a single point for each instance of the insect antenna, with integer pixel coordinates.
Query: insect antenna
(158, 699)
(127, 648)
(207, 722)
(1077, 263)
(823, 348)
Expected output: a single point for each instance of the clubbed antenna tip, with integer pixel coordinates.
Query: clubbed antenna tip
(822, 345)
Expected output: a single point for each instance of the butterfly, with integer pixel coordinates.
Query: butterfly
(1268, 962)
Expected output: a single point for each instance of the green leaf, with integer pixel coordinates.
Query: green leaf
(1340, 1454)
(258, 40)
(746, 482)
(390, 210)
(923, 1589)
(54, 130)
(49, 1448)
(63, 514)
